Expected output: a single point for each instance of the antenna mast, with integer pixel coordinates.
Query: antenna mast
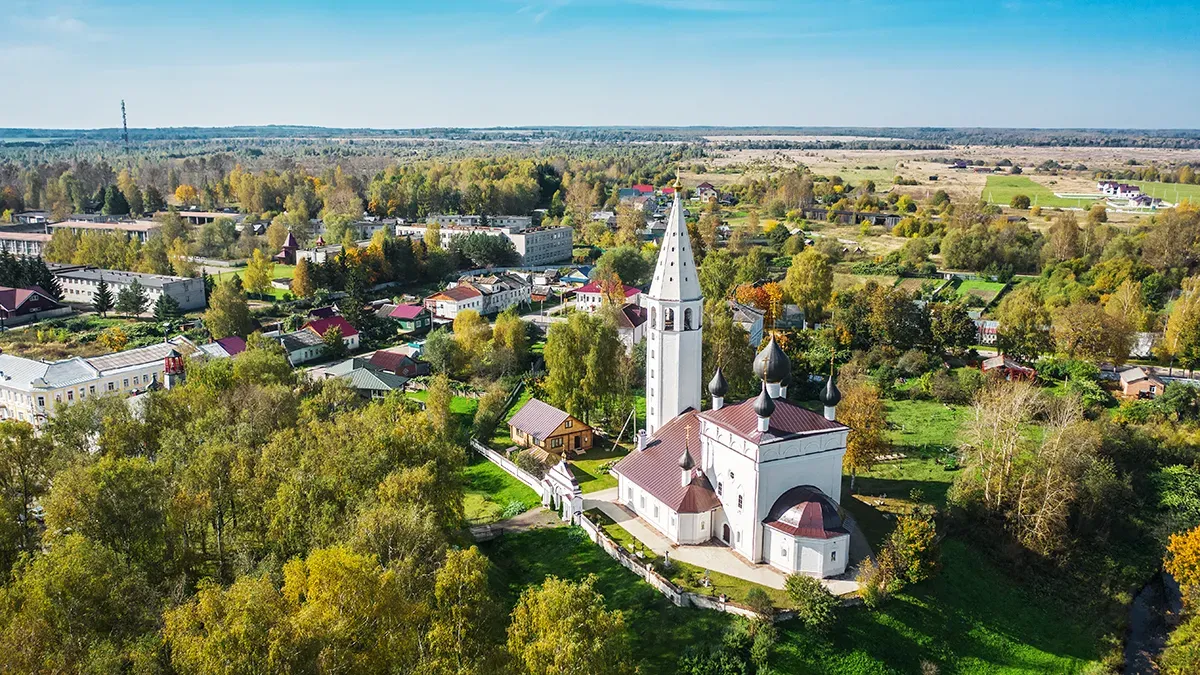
(124, 127)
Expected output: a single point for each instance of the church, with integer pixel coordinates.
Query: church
(762, 476)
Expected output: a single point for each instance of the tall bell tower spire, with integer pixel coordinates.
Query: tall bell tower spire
(673, 344)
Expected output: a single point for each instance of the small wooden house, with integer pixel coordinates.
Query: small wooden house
(540, 425)
(1138, 383)
(1008, 368)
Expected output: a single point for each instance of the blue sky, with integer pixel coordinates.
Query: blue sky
(67, 63)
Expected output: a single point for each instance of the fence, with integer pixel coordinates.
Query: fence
(675, 594)
(511, 469)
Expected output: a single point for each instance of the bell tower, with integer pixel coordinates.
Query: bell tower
(676, 307)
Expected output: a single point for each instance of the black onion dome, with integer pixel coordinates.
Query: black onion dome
(763, 405)
(685, 460)
(771, 364)
(829, 394)
(718, 386)
(785, 382)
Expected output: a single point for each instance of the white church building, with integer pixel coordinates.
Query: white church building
(762, 476)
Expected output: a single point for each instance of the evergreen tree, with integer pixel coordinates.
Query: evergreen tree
(115, 203)
(132, 300)
(166, 309)
(209, 285)
(227, 312)
(103, 300)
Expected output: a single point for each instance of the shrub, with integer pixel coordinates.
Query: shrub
(915, 362)
(815, 605)
(1060, 368)
(914, 547)
(758, 600)
(873, 583)
(1019, 202)
(945, 387)
(1089, 392)
(513, 509)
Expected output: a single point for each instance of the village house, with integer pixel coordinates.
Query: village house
(398, 363)
(301, 346)
(322, 326)
(446, 305)
(541, 426)
(631, 325)
(24, 305)
(706, 192)
(497, 292)
(409, 318)
(1139, 383)
(362, 376)
(591, 297)
(1008, 368)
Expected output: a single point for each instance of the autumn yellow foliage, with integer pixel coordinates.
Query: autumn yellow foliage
(1183, 561)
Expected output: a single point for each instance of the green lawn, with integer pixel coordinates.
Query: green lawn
(462, 407)
(661, 631)
(1001, 190)
(984, 290)
(588, 468)
(280, 272)
(1171, 192)
(490, 491)
(970, 619)
(843, 281)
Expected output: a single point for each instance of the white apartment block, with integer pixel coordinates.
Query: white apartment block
(79, 286)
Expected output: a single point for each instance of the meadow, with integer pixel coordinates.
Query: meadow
(1001, 189)
(1171, 192)
(280, 272)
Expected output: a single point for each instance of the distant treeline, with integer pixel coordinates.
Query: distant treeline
(1156, 138)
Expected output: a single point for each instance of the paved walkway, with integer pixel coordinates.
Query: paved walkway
(533, 519)
(711, 556)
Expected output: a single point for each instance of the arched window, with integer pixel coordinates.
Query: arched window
(687, 319)
(668, 319)
(654, 317)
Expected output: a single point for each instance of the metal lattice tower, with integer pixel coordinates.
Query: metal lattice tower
(124, 127)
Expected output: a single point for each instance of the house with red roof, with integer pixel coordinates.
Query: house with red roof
(23, 305)
(643, 189)
(409, 318)
(322, 326)
(706, 192)
(398, 363)
(447, 304)
(589, 298)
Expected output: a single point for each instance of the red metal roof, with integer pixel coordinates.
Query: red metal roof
(320, 326)
(788, 420)
(11, 299)
(656, 469)
(406, 311)
(643, 188)
(389, 361)
(594, 287)
(805, 511)
(233, 345)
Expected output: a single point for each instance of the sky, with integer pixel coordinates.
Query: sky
(482, 63)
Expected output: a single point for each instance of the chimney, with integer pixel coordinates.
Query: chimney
(763, 407)
(641, 437)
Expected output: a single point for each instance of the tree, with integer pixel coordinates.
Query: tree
(492, 406)
(335, 347)
(1085, 331)
(816, 608)
(717, 274)
(1063, 243)
(465, 614)
(1097, 214)
(862, 410)
(438, 400)
(809, 282)
(1183, 563)
(1019, 202)
(259, 272)
(187, 195)
(102, 300)
(79, 606)
(1024, 331)
(132, 300)
(114, 202)
(302, 283)
(472, 333)
(441, 351)
(727, 345)
(227, 314)
(26, 466)
(166, 308)
(563, 628)
(510, 343)
(951, 327)
(583, 357)
(914, 545)
(627, 263)
(1181, 341)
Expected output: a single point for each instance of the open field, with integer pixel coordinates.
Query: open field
(1001, 189)
(914, 284)
(843, 281)
(280, 272)
(1171, 192)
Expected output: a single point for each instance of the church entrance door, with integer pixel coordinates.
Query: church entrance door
(725, 533)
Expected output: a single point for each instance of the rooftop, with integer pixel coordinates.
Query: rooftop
(321, 326)
(805, 511)
(656, 468)
(787, 421)
(119, 277)
(538, 419)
